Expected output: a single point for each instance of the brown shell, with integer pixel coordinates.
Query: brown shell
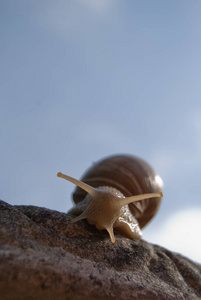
(131, 176)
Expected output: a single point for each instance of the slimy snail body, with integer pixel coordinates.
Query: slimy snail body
(121, 192)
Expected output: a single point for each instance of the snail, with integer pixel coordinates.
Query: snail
(121, 192)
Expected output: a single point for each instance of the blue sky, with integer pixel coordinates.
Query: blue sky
(84, 79)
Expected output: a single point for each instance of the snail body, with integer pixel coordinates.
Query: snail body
(121, 192)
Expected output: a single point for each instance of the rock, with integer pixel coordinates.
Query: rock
(44, 256)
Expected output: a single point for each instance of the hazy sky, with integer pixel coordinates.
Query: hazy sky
(84, 79)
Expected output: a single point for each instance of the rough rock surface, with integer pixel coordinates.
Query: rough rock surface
(44, 256)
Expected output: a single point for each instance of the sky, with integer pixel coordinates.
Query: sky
(84, 79)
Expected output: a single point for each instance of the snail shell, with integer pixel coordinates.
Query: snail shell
(122, 177)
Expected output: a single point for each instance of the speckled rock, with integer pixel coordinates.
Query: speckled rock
(44, 256)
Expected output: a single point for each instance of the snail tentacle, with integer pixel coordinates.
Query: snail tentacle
(80, 217)
(87, 188)
(111, 233)
(128, 200)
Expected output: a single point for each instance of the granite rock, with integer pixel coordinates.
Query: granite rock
(44, 256)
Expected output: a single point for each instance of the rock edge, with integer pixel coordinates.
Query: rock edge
(44, 256)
